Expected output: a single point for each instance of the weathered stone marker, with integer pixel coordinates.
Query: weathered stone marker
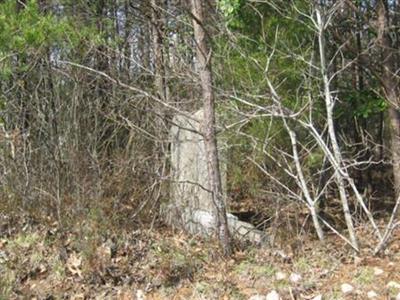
(189, 164)
(191, 207)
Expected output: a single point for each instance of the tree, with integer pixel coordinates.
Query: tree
(209, 133)
(388, 44)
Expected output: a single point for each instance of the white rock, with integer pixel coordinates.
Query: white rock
(295, 278)
(398, 296)
(319, 297)
(378, 271)
(257, 297)
(273, 295)
(140, 295)
(372, 295)
(280, 276)
(346, 288)
(393, 285)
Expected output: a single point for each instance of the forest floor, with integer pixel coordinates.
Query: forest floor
(90, 261)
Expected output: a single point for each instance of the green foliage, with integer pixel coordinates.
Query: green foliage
(314, 159)
(24, 241)
(363, 104)
(27, 28)
(28, 32)
(241, 64)
(231, 10)
(261, 30)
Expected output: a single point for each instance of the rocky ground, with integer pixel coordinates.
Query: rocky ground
(91, 261)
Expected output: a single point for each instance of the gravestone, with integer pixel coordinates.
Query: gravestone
(191, 207)
(190, 187)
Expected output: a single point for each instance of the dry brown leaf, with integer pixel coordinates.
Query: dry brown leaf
(104, 252)
(80, 296)
(74, 263)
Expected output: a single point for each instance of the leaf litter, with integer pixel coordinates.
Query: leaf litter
(41, 261)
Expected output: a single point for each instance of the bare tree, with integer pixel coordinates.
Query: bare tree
(329, 104)
(325, 139)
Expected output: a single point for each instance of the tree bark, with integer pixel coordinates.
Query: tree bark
(203, 59)
(394, 116)
(157, 33)
(390, 84)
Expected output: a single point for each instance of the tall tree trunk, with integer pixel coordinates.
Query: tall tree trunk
(144, 38)
(161, 128)
(390, 84)
(157, 33)
(394, 116)
(203, 58)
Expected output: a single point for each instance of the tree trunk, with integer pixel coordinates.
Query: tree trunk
(157, 32)
(203, 59)
(390, 84)
(394, 116)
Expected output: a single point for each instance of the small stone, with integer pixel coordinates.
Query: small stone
(295, 278)
(140, 295)
(372, 295)
(398, 296)
(257, 297)
(346, 288)
(393, 285)
(319, 297)
(378, 271)
(280, 276)
(273, 295)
